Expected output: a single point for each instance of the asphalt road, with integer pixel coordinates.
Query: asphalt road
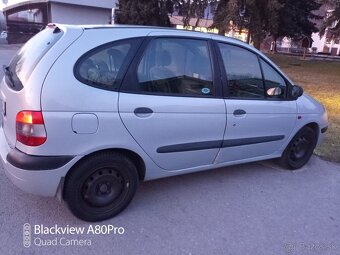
(255, 208)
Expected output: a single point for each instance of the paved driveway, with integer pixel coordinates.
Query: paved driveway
(252, 209)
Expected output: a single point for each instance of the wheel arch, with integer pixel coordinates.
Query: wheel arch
(133, 156)
(90, 208)
(299, 161)
(314, 125)
(316, 128)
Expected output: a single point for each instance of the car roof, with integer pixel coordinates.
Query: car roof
(164, 31)
(157, 29)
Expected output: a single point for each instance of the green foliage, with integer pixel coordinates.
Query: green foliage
(278, 18)
(191, 9)
(155, 12)
(144, 12)
(226, 11)
(295, 19)
(262, 16)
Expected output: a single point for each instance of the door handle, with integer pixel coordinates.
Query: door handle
(143, 112)
(239, 112)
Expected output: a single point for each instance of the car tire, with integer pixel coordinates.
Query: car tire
(299, 150)
(101, 186)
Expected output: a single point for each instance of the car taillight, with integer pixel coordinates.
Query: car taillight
(30, 128)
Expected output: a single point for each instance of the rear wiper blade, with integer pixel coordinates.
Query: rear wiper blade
(6, 69)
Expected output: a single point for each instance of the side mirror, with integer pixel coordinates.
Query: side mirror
(276, 91)
(296, 91)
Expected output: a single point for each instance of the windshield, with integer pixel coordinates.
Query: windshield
(27, 58)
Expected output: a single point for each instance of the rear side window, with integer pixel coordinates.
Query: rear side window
(176, 66)
(243, 72)
(104, 67)
(29, 56)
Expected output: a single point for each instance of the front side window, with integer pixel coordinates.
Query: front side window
(274, 83)
(243, 72)
(101, 67)
(176, 66)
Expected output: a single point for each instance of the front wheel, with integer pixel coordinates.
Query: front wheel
(101, 186)
(299, 150)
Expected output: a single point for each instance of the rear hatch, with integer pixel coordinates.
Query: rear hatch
(21, 86)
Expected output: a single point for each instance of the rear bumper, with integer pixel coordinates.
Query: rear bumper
(24, 161)
(34, 174)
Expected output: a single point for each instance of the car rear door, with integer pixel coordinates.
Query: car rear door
(260, 117)
(171, 102)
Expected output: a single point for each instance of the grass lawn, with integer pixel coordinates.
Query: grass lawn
(320, 79)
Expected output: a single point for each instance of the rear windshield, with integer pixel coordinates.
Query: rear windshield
(29, 56)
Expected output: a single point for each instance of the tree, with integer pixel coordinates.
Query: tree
(277, 18)
(332, 22)
(191, 9)
(296, 19)
(143, 12)
(226, 11)
(261, 15)
(264, 16)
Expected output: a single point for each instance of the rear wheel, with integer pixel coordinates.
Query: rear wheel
(101, 186)
(300, 149)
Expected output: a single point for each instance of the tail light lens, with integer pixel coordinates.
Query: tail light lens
(30, 128)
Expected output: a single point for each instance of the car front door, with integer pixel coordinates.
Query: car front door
(171, 103)
(260, 118)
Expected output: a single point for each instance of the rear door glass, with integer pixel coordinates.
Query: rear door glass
(176, 66)
(104, 66)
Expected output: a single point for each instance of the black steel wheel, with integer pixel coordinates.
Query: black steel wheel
(103, 187)
(300, 149)
(100, 186)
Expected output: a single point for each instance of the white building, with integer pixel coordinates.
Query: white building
(26, 18)
(327, 44)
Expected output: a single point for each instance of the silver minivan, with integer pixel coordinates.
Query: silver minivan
(90, 111)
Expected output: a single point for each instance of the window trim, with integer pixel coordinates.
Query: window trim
(224, 75)
(130, 82)
(264, 80)
(135, 45)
